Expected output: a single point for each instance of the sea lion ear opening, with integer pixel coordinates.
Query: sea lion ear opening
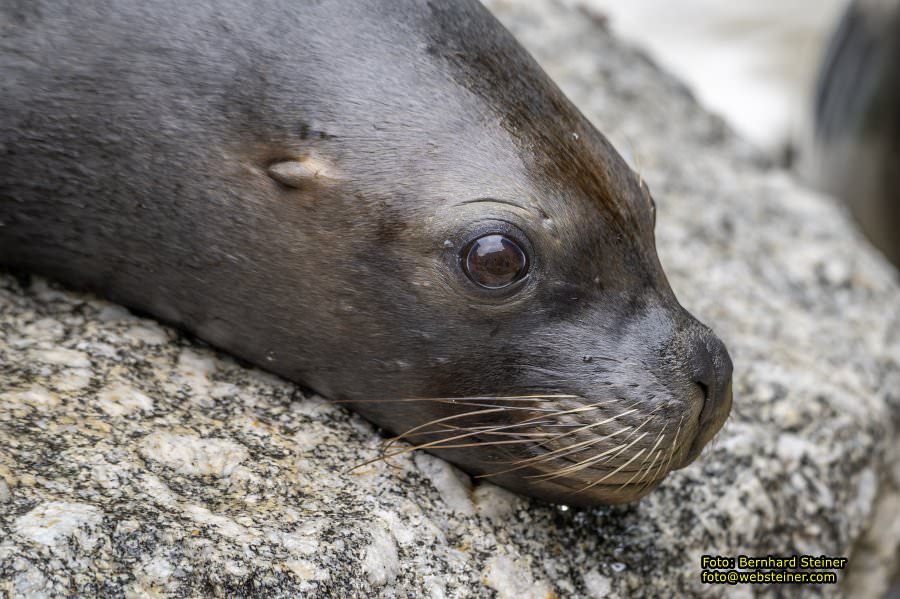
(301, 172)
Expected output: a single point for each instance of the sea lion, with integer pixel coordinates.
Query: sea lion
(856, 149)
(387, 201)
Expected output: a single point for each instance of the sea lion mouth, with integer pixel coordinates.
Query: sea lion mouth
(559, 447)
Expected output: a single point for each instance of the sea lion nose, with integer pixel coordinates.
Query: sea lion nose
(711, 370)
(710, 367)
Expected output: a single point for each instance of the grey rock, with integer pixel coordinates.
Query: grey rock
(136, 462)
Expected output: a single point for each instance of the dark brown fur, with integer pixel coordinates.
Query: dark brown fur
(138, 139)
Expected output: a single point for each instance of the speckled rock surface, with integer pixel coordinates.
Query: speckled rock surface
(135, 462)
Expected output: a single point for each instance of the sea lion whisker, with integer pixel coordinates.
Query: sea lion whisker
(591, 461)
(525, 435)
(645, 471)
(580, 428)
(568, 450)
(585, 427)
(646, 420)
(551, 423)
(489, 431)
(572, 468)
(456, 401)
(482, 443)
(469, 433)
(578, 467)
(417, 431)
(507, 408)
(650, 479)
(655, 447)
(538, 396)
(674, 445)
(493, 410)
(430, 444)
(628, 437)
(547, 411)
(447, 419)
(389, 442)
(597, 482)
(659, 439)
(543, 397)
(414, 431)
(633, 430)
(479, 430)
(663, 465)
(640, 471)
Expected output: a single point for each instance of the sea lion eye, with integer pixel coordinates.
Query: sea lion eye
(494, 261)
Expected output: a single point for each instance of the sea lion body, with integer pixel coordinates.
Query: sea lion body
(296, 182)
(856, 150)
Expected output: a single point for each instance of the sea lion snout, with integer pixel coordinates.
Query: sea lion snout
(711, 370)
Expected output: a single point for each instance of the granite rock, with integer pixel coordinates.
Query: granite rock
(137, 462)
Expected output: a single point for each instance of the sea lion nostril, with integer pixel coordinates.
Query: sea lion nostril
(705, 389)
(703, 368)
(711, 369)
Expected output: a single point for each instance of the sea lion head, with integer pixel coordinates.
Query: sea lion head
(388, 201)
(485, 282)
